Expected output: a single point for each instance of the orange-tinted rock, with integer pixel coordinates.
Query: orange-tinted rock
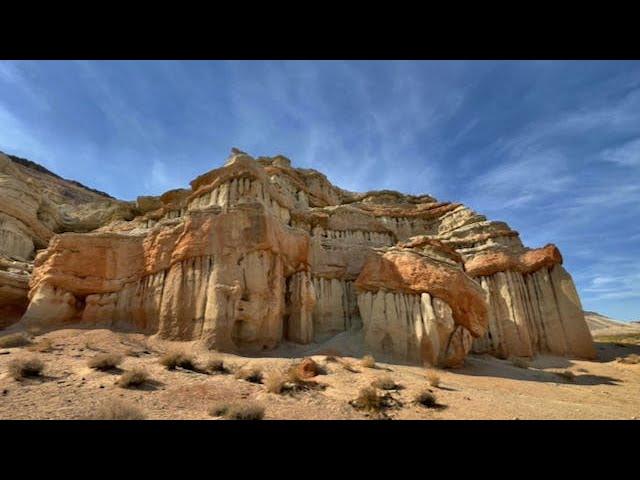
(408, 272)
(257, 252)
(526, 262)
(307, 368)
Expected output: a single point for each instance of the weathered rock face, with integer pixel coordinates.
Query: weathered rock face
(418, 304)
(257, 252)
(35, 205)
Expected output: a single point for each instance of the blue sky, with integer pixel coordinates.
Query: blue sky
(551, 147)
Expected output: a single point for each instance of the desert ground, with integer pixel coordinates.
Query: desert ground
(485, 388)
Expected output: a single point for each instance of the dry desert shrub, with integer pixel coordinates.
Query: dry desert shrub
(567, 375)
(434, 379)
(426, 399)
(632, 359)
(385, 383)
(118, 410)
(519, 362)
(368, 399)
(173, 359)
(14, 340)
(218, 409)
(245, 411)
(105, 361)
(275, 382)
(25, 367)
(249, 374)
(368, 361)
(43, 346)
(135, 377)
(215, 365)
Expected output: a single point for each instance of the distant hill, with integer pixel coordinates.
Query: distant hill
(39, 168)
(597, 321)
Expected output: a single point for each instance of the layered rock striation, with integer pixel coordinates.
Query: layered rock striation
(258, 252)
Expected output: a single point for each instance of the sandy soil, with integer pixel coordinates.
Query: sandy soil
(486, 388)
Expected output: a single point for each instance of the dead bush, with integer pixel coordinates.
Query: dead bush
(243, 410)
(275, 382)
(135, 377)
(25, 367)
(218, 409)
(368, 399)
(105, 361)
(215, 365)
(118, 410)
(14, 340)
(250, 374)
(246, 410)
(385, 383)
(434, 379)
(368, 361)
(426, 399)
(172, 360)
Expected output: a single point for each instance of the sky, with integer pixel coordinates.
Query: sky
(550, 147)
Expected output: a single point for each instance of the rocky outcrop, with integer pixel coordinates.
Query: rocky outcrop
(35, 204)
(417, 303)
(257, 252)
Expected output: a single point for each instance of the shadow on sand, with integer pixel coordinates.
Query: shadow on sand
(484, 367)
(610, 351)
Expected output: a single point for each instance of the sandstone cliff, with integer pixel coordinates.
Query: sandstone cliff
(258, 252)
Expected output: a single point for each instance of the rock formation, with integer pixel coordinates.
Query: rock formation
(258, 252)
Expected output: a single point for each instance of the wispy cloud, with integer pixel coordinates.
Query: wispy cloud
(553, 148)
(627, 155)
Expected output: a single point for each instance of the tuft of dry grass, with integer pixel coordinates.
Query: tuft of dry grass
(173, 359)
(434, 379)
(275, 382)
(426, 399)
(105, 361)
(519, 362)
(133, 378)
(218, 409)
(385, 383)
(14, 340)
(368, 399)
(25, 367)
(118, 410)
(567, 375)
(215, 365)
(632, 359)
(368, 361)
(43, 346)
(246, 410)
(249, 374)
